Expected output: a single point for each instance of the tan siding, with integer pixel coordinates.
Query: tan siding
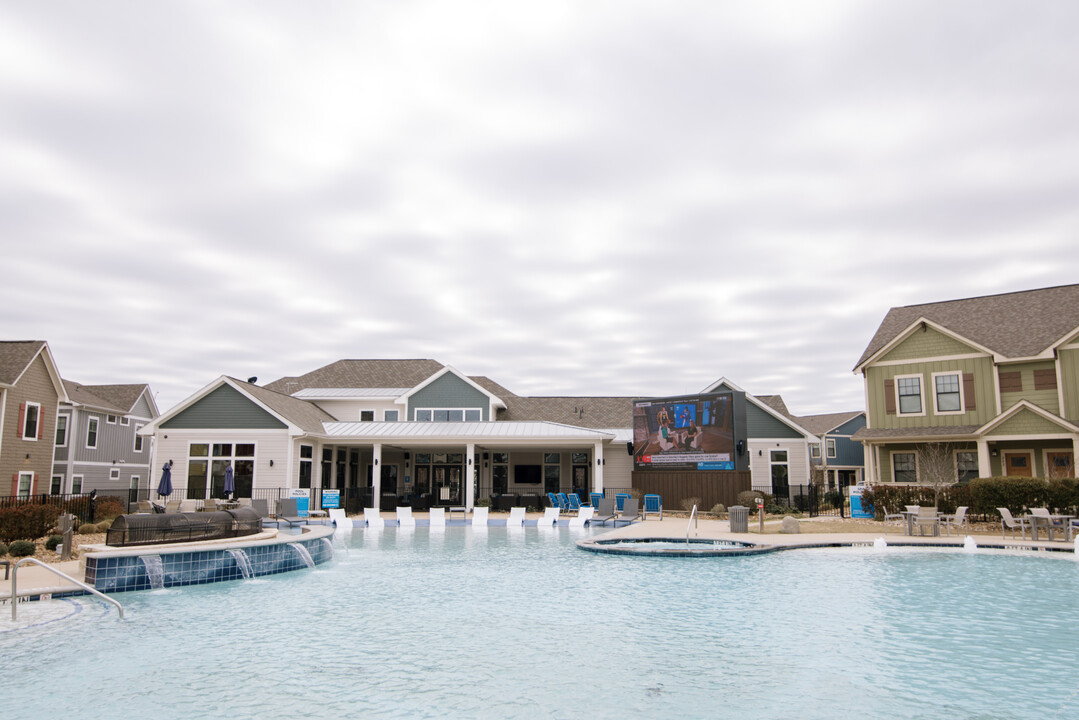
(1047, 399)
(36, 386)
(269, 445)
(984, 389)
(928, 344)
(1069, 372)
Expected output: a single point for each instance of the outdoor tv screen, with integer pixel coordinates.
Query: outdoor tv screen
(695, 432)
(527, 474)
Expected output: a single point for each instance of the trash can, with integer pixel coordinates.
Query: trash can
(739, 518)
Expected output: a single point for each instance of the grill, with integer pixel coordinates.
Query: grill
(155, 528)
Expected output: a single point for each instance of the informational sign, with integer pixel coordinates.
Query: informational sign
(302, 496)
(857, 508)
(331, 499)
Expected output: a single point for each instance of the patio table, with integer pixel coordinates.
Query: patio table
(1051, 524)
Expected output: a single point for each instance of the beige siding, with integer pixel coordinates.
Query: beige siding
(34, 386)
(617, 466)
(760, 465)
(1069, 375)
(1047, 399)
(984, 392)
(269, 445)
(927, 344)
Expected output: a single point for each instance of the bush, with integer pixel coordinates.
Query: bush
(108, 507)
(689, 502)
(983, 496)
(87, 529)
(834, 498)
(53, 542)
(27, 521)
(22, 548)
(719, 509)
(104, 526)
(3, 549)
(748, 498)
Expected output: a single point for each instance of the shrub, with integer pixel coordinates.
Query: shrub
(53, 542)
(22, 548)
(719, 509)
(689, 502)
(108, 507)
(3, 549)
(87, 529)
(834, 498)
(104, 526)
(27, 521)
(748, 498)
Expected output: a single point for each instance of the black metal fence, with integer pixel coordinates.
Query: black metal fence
(808, 499)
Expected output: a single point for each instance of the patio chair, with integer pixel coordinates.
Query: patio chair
(652, 504)
(187, 506)
(1040, 517)
(957, 520)
(404, 517)
(583, 517)
(594, 498)
(1073, 525)
(630, 512)
(1007, 522)
(144, 506)
(574, 502)
(604, 512)
(563, 502)
(244, 502)
(209, 505)
(337, 517)
(927, 518)
(438, 517)
(288, 511)
(550, 517)
(553, 499)
(516, 518)
(620, 499)
(372, 518)
(479, 517)
(888, 517)
(172, 506)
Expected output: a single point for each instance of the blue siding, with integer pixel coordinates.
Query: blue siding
(760, 424)
(449, 391)
(227, 408)
(847, 452)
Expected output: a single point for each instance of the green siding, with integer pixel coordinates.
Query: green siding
(1048, 399)
(1026, 422)
(984, 393)
(449, 391)
(760, 424)
(1069, 376)
(928, 344)
(225, 408)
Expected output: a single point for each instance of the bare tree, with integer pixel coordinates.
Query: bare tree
(936, 467)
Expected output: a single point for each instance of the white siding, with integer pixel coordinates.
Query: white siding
(269, 445)
(797, 460)
(617, 467)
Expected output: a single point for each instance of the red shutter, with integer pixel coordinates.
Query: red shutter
(889, 397)
(22, 420)
(968, 392)
(33, 485)
(15, 484)
(40, 424)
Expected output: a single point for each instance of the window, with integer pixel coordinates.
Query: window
(26, 482)
(91, 432)
(948, 392)
(552, 458)
(138, 439)
(31, 420)
(814, 450)
(207, 464)
(449, 415)
(125, 420)
(905, 467)
(76, 485)
(390, 416)
(367, 415)
(110, 419)
(57, 485)
(327, 466)
(61, 430)
(134, 483)
(966, 465)
(579, 458)
(114, 474)
(423, 416)
(909, 390)
(831, 447)
(307, 454)
(473, 416)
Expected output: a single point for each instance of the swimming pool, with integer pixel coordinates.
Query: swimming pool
(519, 623)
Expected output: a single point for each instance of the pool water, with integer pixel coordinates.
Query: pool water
(519, 623)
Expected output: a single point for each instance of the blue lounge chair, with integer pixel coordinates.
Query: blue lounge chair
(574, 502)
(595, 498)
(563, 502)
(554, 500)
(620, 499)
(652, 504)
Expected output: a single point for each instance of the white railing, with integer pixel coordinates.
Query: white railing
(50, 568)
(692, 524)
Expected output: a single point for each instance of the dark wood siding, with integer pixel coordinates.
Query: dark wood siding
(711, 487)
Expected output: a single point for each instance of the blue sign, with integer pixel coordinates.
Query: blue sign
(302, 496)
(857, 509)
(721, 465)
(331, 499)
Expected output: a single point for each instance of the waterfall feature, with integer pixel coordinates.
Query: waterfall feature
(304, 555)
(880, 544)
(155, 571)
(329, 547)
(969, 545)
(242, 561)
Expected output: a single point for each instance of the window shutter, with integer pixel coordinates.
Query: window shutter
(968, 391)
(889, 397)
(33, 485)
(22, 420)
(1045, 379)
(40, 424)
(15, 484)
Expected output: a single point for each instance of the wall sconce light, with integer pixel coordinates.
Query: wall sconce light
(760, 453)
(27, 456)
(406, 464)
(376, 461)
(994, 453)
(598, 461)
(271, 463)
(166, 437)
(470, 461)
(484, 463)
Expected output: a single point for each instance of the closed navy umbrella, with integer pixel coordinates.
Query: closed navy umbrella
(230, 486)
(164, 488)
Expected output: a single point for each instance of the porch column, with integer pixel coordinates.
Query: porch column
(869, 456)
(470, 476)
(376, 475)
(597, 482)
(985, 463)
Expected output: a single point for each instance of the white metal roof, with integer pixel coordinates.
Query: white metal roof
(462, 431)
(620, 434)
(342, 393)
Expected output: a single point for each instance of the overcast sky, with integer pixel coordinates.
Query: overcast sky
(582, 198)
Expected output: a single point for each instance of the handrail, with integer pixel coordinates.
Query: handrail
(692, 522)
(50, 568)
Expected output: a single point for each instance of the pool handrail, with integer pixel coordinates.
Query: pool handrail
(692, 523)
(84, 586)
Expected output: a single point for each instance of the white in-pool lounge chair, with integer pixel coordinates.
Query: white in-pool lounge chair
(550, 517)
(337, 517)
(516, 518)
(479, 517)
(583, 515)
(404, 517)
(373, 519)
(438, 517)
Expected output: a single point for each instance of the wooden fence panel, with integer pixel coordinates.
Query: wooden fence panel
(711, 486)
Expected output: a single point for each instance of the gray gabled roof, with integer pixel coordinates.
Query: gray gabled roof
(586, 412)
(821, 424)
(301, 413)
(1013, 325)
(119, 399)
(15, 355)
(361, 374)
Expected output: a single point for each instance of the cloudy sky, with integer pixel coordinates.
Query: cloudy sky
(570, 197)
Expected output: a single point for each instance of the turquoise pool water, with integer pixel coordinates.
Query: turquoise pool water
(519, 623)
